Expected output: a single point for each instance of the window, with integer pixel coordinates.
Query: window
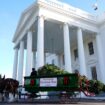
(94, 73)
(75, 54)
(63, 60)
(53, 62)
(91, 49)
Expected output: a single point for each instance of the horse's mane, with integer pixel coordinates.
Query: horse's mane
(11, 79)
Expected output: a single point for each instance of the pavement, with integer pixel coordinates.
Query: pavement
(80, 103)
(54, 101)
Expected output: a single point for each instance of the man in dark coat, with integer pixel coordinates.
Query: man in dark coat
(33, 73)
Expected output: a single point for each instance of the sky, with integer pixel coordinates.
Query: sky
(10, 12)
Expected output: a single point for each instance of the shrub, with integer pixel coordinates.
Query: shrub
(95, 86)
(103, 89)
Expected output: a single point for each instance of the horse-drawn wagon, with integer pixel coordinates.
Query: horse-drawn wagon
(68, 85)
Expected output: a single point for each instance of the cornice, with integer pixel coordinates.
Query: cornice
(69, 17)
(57, 7)
(101, 20)
(68, 11)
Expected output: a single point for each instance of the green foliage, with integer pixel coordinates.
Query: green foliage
(96, 86)
(50, 69)
(103, 89)
(93, 86)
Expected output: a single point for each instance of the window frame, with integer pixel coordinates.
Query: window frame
(63, 59)
(53, 61)
(91, 48)
(75, 51)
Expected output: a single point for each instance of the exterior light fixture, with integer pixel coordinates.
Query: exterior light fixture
(95, 6)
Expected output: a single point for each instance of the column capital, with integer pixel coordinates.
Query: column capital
(98, 33)
(66, 23)
(16, 48)
(41, 16)
(29, 30)
(22, 43)
(79, 28)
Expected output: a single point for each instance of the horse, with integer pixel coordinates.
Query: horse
(7, 86)
(2, 86)
(11, 85)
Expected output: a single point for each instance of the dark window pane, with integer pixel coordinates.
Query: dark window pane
(75, 54)
(94, 73)
(63, 60)
(91, 49)
(53, 62)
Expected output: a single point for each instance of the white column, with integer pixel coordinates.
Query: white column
(40, 42)
(67, 52)
(100, 57)
(33, 59)
(15, 64)
(81, 52)
(29, 54)
(21, 61)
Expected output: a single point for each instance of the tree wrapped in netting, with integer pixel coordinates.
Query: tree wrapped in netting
(93, 86)
(50, 69)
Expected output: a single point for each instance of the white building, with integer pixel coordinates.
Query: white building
(61, 34)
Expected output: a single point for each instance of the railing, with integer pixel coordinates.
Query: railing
(69, 9)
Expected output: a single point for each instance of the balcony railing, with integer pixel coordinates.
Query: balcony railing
(69, 9)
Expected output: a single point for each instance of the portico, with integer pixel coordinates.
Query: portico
(44, 28)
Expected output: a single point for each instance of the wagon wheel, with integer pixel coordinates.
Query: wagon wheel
(75, 97)
(70, 97)
(64, 98)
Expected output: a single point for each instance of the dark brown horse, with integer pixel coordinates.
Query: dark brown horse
(8, 85)
(2, 85)
(11, 85)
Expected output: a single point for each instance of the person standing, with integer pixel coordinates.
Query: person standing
(34, 72)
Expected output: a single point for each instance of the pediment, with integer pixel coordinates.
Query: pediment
(23, 19)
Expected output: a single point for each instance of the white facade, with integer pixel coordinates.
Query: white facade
(53, 31)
